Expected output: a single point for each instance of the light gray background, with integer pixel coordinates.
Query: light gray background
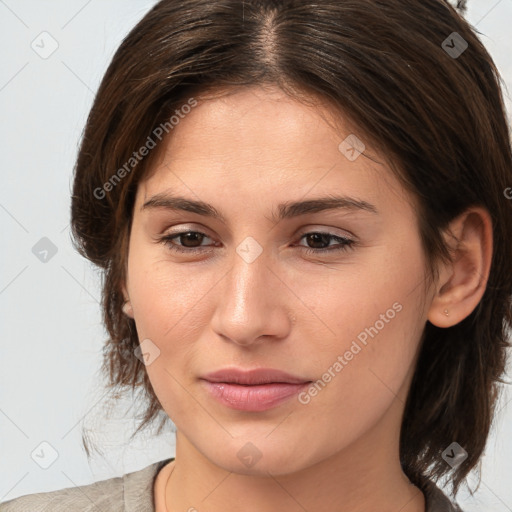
(51, 331)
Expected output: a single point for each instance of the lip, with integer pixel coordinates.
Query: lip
(253, 377)
(252, 390)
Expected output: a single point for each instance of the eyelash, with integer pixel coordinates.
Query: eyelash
(346, 243)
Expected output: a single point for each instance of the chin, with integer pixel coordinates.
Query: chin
(250, 456)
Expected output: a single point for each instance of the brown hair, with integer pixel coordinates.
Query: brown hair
(385, 66)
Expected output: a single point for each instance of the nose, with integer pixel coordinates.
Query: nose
(252, 303)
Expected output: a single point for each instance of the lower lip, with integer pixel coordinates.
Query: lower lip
(253, 398)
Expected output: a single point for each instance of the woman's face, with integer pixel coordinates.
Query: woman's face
(272, 282)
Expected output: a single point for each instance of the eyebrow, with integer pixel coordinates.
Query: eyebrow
(285, 210)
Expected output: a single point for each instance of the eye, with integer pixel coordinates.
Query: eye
(321, 238)
(190, 241)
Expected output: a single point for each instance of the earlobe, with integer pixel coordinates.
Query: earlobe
(127, 305)
(462, 282)
(127, 309)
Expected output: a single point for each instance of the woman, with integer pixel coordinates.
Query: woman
(300, 210)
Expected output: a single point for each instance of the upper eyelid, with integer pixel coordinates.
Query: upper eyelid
(185, 231)
(326, 231)
(314, 228)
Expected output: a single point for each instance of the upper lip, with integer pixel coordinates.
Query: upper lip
(253, 377)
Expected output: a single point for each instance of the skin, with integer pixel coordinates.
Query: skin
(245, 153)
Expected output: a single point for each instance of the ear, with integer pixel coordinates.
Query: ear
(462, 282)
(127, 306)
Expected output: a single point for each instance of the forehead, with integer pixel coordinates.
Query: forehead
(262, 140)
(261, 119)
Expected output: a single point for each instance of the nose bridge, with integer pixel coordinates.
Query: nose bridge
(249, 306)
(247, 291)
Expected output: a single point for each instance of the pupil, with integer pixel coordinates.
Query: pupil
(318, 238)
(191, 237)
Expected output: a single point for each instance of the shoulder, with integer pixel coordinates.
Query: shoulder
(105, 495)
(132, 492)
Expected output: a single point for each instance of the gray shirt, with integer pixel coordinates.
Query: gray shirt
(133, 492)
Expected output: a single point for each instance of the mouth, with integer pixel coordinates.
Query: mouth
(253, 390)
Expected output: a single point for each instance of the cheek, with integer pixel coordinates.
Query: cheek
(170, 312)
(363, 371)
(373, 319)
(377, 300)
(166, 297)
